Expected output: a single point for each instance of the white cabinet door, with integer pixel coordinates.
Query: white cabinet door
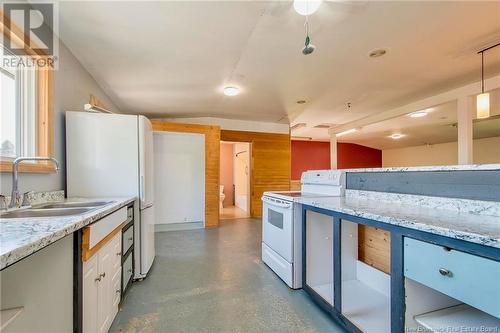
(101, 287)
(105, 259)
(90, 292)
(116, 273)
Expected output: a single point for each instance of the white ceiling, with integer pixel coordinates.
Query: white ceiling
(171, 59)
(439, 126)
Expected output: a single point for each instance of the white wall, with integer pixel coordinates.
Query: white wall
(484, 150)
(241, 169)
(72, 87)
(235, 125)
(179, 177)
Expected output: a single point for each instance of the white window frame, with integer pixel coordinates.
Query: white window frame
(26, 111)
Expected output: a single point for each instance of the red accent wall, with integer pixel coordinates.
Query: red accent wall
(312, 155)
(351, 155)
(309, 155)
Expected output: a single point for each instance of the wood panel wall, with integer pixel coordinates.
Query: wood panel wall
(212, 158)
(374, 246)
(295, 185)
(270, 163)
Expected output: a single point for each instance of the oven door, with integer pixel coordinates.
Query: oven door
(277, 226)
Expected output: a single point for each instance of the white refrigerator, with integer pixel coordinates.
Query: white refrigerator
(111, 155)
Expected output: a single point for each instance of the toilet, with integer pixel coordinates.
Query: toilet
(221, 196)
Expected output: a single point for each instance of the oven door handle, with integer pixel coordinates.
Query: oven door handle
(276, 203)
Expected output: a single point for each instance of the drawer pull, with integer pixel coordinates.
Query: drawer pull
(445, 272)
(131, 239)
(129, 270)
(118, 253)
(98, 279)
(103, 275)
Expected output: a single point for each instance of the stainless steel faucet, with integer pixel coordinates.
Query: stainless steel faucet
(15, 197)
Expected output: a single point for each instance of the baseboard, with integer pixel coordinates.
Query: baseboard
(178, 226)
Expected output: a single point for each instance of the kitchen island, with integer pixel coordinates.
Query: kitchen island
(443, 251)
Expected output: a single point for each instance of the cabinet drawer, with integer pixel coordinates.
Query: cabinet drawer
(128, 239)
(127, 271)
(130, 214)
(100, 229)
(468, 278)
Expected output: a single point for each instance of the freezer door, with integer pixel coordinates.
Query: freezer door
(101, 155)
(146, 190)
(147, 239)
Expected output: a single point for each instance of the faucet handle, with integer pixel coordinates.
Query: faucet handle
(3, 202)
(27, 198)
(15, 200)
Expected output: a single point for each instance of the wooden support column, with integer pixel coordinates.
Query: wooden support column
(465, 133)
(333, 149)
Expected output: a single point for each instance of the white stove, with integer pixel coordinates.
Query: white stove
(282, 227)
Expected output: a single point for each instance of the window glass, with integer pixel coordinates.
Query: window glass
(275, 218)
(8, 115)
(18, 116)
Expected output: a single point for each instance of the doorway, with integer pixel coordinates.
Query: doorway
(235, 180)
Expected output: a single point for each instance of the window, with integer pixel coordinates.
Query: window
(26, 113)
(18, 116)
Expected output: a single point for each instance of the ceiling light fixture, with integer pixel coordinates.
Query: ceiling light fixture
(306, 7)
(231, 91)
(349, 131)
(396, 136)
(418, 114)
(483, 99)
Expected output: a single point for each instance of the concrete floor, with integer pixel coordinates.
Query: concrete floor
(214, 281)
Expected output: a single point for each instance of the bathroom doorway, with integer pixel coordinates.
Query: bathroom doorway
(235, 180)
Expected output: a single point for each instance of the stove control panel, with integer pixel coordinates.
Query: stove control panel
(323, 177)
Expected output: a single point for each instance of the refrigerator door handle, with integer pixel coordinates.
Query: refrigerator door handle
(142, 187)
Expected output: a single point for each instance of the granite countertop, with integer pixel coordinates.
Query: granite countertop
(20, 237)
(475, 228)
(465, 167)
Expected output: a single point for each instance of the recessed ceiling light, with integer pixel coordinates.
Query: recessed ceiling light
(418, 114)
(396, 136)
(306, 7)
(231, 91)
(421, 113)
(377, 53)
(352, 130)
(301, 101)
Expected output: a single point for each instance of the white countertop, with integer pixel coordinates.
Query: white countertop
(20, 237)
(475, 228)
(466, 167)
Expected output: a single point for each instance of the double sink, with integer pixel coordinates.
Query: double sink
(66, 208)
